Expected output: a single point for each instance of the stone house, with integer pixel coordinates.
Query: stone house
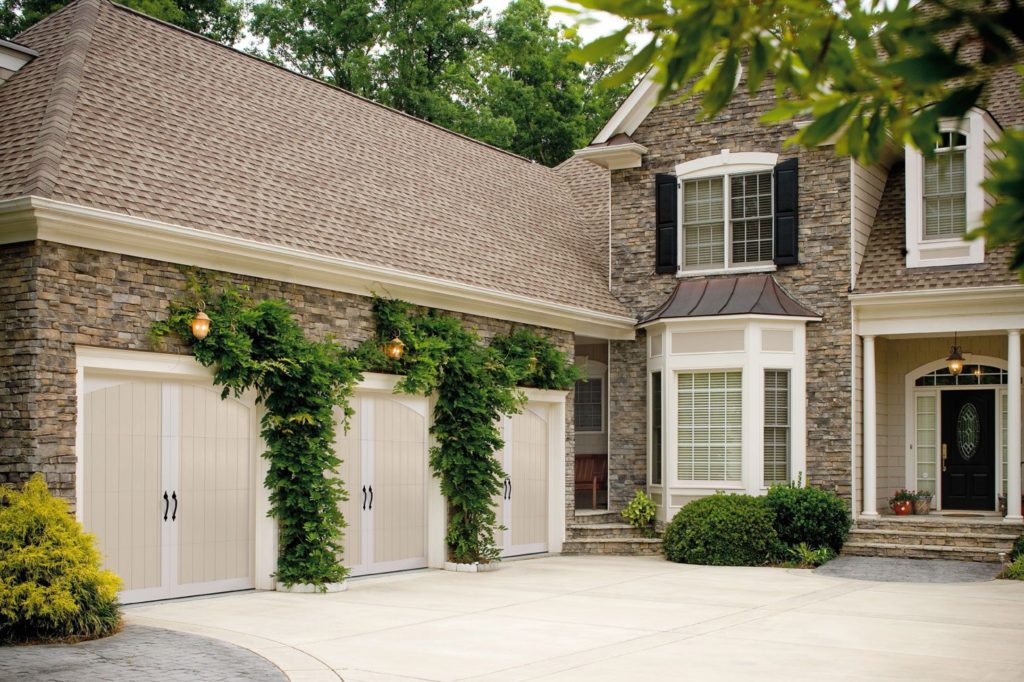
(796, 315)
(743, 312)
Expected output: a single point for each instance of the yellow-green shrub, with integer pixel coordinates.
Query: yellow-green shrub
(52, 585)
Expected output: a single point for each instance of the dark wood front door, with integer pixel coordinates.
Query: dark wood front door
(968, 449)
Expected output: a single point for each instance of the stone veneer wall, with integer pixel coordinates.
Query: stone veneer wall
(54, 297)
(672, 135)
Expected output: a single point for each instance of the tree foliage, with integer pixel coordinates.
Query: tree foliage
(220, 20)
(863, 71)
(259, 346)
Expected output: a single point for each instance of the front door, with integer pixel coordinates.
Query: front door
(968, 449)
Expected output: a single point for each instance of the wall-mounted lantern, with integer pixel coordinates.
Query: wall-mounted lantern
(394, 348)
(200, 323)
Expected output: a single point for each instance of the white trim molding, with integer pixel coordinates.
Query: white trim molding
(36, 218)
(930, 311)
(632, 112)
(726, 163)
(616, 156)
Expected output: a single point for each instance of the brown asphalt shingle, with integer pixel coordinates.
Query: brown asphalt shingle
(125, 113)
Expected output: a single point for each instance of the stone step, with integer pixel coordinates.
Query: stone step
(958, 538)
(891, 549)
(599, 517)
(582, 531)
(941, 523)
(618, 546)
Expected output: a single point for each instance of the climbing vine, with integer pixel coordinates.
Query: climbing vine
(474, 385)
(260, 346)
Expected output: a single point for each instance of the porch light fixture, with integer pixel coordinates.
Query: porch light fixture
(394, 348)
(200, 323)
(955, 361)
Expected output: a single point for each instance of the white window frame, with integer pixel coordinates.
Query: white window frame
(723, 165)
(595, 370)
(955, 250)
(789, 422)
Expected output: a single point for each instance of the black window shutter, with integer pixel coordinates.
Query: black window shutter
(665, 223)
(786, 215)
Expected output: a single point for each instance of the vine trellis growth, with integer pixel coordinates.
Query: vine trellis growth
(260, 346)
(473, 385)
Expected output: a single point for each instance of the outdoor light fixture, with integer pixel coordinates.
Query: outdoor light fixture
(200, 323)
(955, 361)
(394, 348)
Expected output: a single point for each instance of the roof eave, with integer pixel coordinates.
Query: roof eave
(37, 218)
(615, 157)
(735, 316)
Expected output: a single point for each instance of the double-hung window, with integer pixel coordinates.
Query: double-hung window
(727, 221)
(945, 188)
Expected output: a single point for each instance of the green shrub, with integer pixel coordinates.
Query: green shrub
(722, 530)
(1018, 549)
(1015, 570)
(808, 515)
(640, 513)
(51, 582)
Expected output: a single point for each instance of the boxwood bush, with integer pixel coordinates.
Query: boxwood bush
(51, 584)
(808, 515)
(722, 530)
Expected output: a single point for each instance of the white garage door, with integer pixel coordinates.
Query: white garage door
(524, 508)
(384, 467)
(167, 485)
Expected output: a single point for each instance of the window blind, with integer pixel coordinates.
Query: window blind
(703, 223)
(776, 426)
(710, 426)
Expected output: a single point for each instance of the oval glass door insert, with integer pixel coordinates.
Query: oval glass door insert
(968, 430)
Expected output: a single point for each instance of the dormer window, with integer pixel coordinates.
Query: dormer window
(945, 188)
(945, 200)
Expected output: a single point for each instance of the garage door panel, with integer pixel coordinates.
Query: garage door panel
(214, 493)
(122, 480)
(347, 448)
(529, 462)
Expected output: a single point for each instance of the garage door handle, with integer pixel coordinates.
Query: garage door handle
(167, 505)
(371, 498)
(174, 514)
(364, 497)
(508, 482)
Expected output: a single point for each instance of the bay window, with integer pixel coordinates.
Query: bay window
(776, 426)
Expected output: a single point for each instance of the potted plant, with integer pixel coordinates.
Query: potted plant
(923, 502)
(902, 502)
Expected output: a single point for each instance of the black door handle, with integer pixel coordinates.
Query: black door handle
(174, 514)
(167, 504)
(371, 498)
(509, 488)
(364, 497)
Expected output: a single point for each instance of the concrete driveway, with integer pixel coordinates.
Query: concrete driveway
(621, 618)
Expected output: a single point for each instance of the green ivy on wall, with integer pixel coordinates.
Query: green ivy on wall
(260, 346)
(474, 385)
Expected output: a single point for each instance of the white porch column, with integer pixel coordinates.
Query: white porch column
(870, 437)
(1013, 426)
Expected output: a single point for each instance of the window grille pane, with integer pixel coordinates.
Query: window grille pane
(752, 219)
(945, 194)
(703, 223)
(710, 426)
(927, 442)
(776, 426)
(588, 405)
(656, 428)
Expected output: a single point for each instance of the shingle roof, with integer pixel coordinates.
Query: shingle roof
(738, 295)
(125, 113)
